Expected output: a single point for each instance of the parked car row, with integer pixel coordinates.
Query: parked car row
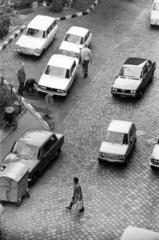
(61, 68)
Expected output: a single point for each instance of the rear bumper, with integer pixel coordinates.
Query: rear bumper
(153, 165)
(28, 51)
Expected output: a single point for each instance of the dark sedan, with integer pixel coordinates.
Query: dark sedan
(134, 76)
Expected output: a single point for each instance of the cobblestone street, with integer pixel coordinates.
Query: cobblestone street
(114, 196)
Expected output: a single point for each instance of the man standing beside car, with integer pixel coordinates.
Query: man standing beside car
(21, 75)
(86, 57)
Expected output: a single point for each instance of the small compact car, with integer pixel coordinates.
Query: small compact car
(36, 149)
(154, 161)
(119, 143)
(75, 38)
(58, 75)
(154, 16)
(134, 76)
(37, 36)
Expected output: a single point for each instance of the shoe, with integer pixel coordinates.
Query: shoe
(81, 210)
(68, 208)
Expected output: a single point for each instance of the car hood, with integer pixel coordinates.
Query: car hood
(155, 152)
(155, 15)
(71, 47)
(12, 158)
(113, 148)
(30, 42)
(54, 82)
(126, 83)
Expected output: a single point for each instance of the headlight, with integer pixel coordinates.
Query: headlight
(121, 157)
(101, 154)
(37, 50)
(114, 89)
(17, 48)
(42, 87)
(133, 91)
(60, 91)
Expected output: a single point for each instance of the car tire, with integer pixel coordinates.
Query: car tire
(140, 94)
(19, 202)
(152, 77)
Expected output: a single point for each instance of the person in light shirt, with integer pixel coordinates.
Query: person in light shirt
(86, 57)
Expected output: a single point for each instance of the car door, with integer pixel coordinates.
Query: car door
(72, 72)
(132, 137)
(146, 74)
(87, 39)
(150, 68)
(48, 152)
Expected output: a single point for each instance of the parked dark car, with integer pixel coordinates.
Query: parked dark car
(36, 149)
(134, 76)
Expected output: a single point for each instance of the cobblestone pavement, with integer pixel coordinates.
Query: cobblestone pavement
(114, 197)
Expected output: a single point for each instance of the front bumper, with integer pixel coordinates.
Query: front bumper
(123, 94)
(52, 92)
(106, 159)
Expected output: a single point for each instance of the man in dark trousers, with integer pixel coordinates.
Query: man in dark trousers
(21, 75)
(77, 196)
(86, 57)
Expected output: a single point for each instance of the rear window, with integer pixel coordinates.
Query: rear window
(73, 39)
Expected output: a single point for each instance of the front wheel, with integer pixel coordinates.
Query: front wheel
(140, 94)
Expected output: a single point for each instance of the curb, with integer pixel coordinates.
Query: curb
(21, 29)
(30, 107)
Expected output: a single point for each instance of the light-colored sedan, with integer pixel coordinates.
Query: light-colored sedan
(154, 161)
(75, 38)
(39, 33)
(59, 75)
(154, 16)
(119, 143)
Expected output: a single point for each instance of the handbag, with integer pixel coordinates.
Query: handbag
(79, 204)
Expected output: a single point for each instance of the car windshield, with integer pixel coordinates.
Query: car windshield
(116, 137)
(25, 150)
(35, 33)
(156, 6)
(57, 71)
(73, 39)
(130, 72)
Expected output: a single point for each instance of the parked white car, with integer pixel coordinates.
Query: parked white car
(154, 16)
(136, 233)
(75, 38)
(154, 161)
(119, 143)
(37, 36)
(59, 75)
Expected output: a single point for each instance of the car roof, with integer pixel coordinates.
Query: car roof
(35, 137)
(60, 60)
(155, 1)
(41, 22)
(119, 126)
(79, 31)
(135, 61)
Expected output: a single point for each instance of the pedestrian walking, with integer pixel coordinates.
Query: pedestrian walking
(48, 103)
(77, 196)
(21, 75)
(86, 57)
